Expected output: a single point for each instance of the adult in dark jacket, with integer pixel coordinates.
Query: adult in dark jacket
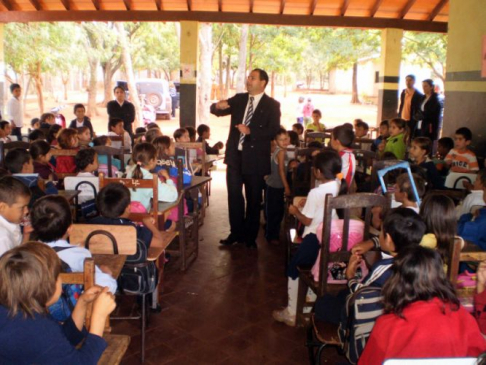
(255, 119)
(430, 112)
(121, 109)
(410, 101)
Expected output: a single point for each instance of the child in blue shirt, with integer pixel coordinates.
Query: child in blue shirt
(473, 227)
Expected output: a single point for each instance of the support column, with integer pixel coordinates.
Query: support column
(391, 57)
(465, 88)
(2, 72)
(189, 58)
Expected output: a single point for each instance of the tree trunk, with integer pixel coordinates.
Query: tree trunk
(26, 90)
(38, 87)
(127, 64)
(355, 98)
(272, 85)
(109, 69)
(228, 77)
(220, 86)
(241, 72)
(93, 78)
(65, 80)
(205, 71)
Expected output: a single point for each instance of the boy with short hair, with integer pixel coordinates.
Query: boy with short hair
(115, 127)
(181, 135)
(381, 140)
(35, 123)
(81, 119)
(192, 134)
(86, 161)
(461, 158)
(476, 198)
(15, 111)
(51, 219)
(14, 201)
(472, 227)
(20, 164)
(361, 129)
(299, 129)
(7, 130)
(204, 133)
(341, 140)
(404, 191)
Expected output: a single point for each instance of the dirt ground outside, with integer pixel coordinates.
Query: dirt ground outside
(336, 110)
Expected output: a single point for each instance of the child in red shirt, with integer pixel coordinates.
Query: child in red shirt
(67, 139)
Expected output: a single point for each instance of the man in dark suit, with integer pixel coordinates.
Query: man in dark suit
(255, 119)
(410, 103)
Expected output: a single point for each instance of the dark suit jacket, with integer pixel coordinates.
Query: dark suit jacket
(431, 121)
(255, 157)
(417, 99)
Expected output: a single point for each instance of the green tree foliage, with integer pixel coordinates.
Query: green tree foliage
(427, 50)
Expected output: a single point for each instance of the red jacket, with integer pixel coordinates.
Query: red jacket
(480, 310)
(424, 332)
(65, 164)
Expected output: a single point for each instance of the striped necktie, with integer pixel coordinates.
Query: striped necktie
(249, 115)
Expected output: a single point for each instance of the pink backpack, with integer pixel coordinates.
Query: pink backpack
(356, 229)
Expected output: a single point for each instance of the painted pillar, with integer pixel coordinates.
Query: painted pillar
(189, 58)
(391, 57)
(2, 72)
(465, 86)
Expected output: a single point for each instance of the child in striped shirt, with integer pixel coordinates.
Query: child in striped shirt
(460, 158)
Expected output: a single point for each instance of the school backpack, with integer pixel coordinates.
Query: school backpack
(62, 309)
(361, 311)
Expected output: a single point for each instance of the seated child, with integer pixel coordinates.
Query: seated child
(327, 165)
(37, 134)
(423, 317)
(182, 135)
(29, 335)
(299, 129)
(51, 219)
(316, 125)
(115, 129)
(86, 164)
(444, 145)
(14, 201)
(40, 151)
(341, 140)
(192, 134)
(19, 163)
(402, 229)
(473, 227)
(475, 198)
(84, 136)
(52, 134)
(81, 120)
(47, 120)
(151, 134)
(404, 192)
(6, 128)
(67, 140)
(144, 158)
(361, 129)
(396, 143)
(34, 124)
(139, 135)
(204, 133)
(381, 140)
(152, 125)
(294, 143)
(419, 153)
(460, 158)
(103, 159)
(165, 153)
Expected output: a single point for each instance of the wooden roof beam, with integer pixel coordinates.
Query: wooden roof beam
(407, 8)
(128, 4)
(36, 4)
(313, 7)
(96, 4)
(220, 5)
(437, 10)
(66, 4)
(8, 5)
(375, 7)
(344, 8)
(158, 4)
(252, 2)
(215, 17)
(282, 6)
(189, 5)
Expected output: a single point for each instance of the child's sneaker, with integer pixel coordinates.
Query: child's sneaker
(284, 316)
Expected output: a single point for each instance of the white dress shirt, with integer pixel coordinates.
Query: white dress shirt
(256, 100)
(10, 235)
(15, 112)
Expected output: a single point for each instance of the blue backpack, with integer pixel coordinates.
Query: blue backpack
(62, 309)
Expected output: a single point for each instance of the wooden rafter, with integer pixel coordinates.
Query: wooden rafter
(96, 4)
(189, 5)
(282, 6)
(313, 7)
(8, 5)
(252, 2)
(128, 4)
(158, 4)
(437, 10)
(220, 5)
(229, 17)
(344, 8)
(36, 4)
(375, 7)
(407, 8)
(66, 4)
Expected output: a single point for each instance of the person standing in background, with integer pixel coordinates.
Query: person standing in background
(15, 111)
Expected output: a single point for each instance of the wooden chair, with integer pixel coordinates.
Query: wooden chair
(4, 147)
(362, 143)
(111, 153)
(378, 165)
(345, 203)
(364, 165)
(308, 136)
(453, 259)
(117, 344)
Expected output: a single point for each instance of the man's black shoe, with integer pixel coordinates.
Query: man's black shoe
(251, 245)
(229, 241)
